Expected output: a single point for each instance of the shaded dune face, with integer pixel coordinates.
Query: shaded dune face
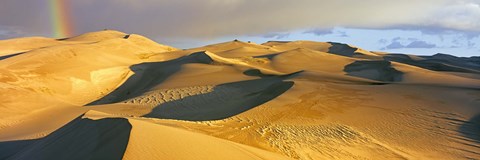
(342, 49)
(469, 63)
(374, 70)
(471, 129)
(80, 139)
(351, 51)
(438, 62)
(10, 55)
(224, 101)
(148, 75)
(256, 72)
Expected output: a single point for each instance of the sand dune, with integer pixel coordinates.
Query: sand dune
(66, 75)
(171, 143)
(215, 105)
(20, 45)
(438, 62)
(330, 47)
(246, 52)
(226, 46)
(112, 95)
(95, 139)
(375, 70)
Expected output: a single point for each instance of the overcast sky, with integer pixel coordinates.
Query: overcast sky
(409, 26)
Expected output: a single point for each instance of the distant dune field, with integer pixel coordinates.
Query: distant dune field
(112, 95)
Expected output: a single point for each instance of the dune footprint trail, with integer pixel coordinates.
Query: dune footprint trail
(112, 95)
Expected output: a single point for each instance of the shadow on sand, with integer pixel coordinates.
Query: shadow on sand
(439, 62)
(10, 55)
(471, 129)
(379, 70)
(341, 49)
(224, 101)
(148, 75)
(79, 139)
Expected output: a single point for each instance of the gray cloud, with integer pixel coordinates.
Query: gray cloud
(11, 32)
(397, 39)
(276, 35)
(382, 41)
(342, 34)
(401, 43)
(420, 44)
(440, 31)
(215, 18)
(322, 32)
(319, 32)
(394, 45)
(471, 44)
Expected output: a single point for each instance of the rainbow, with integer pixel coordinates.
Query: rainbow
(61, 21)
